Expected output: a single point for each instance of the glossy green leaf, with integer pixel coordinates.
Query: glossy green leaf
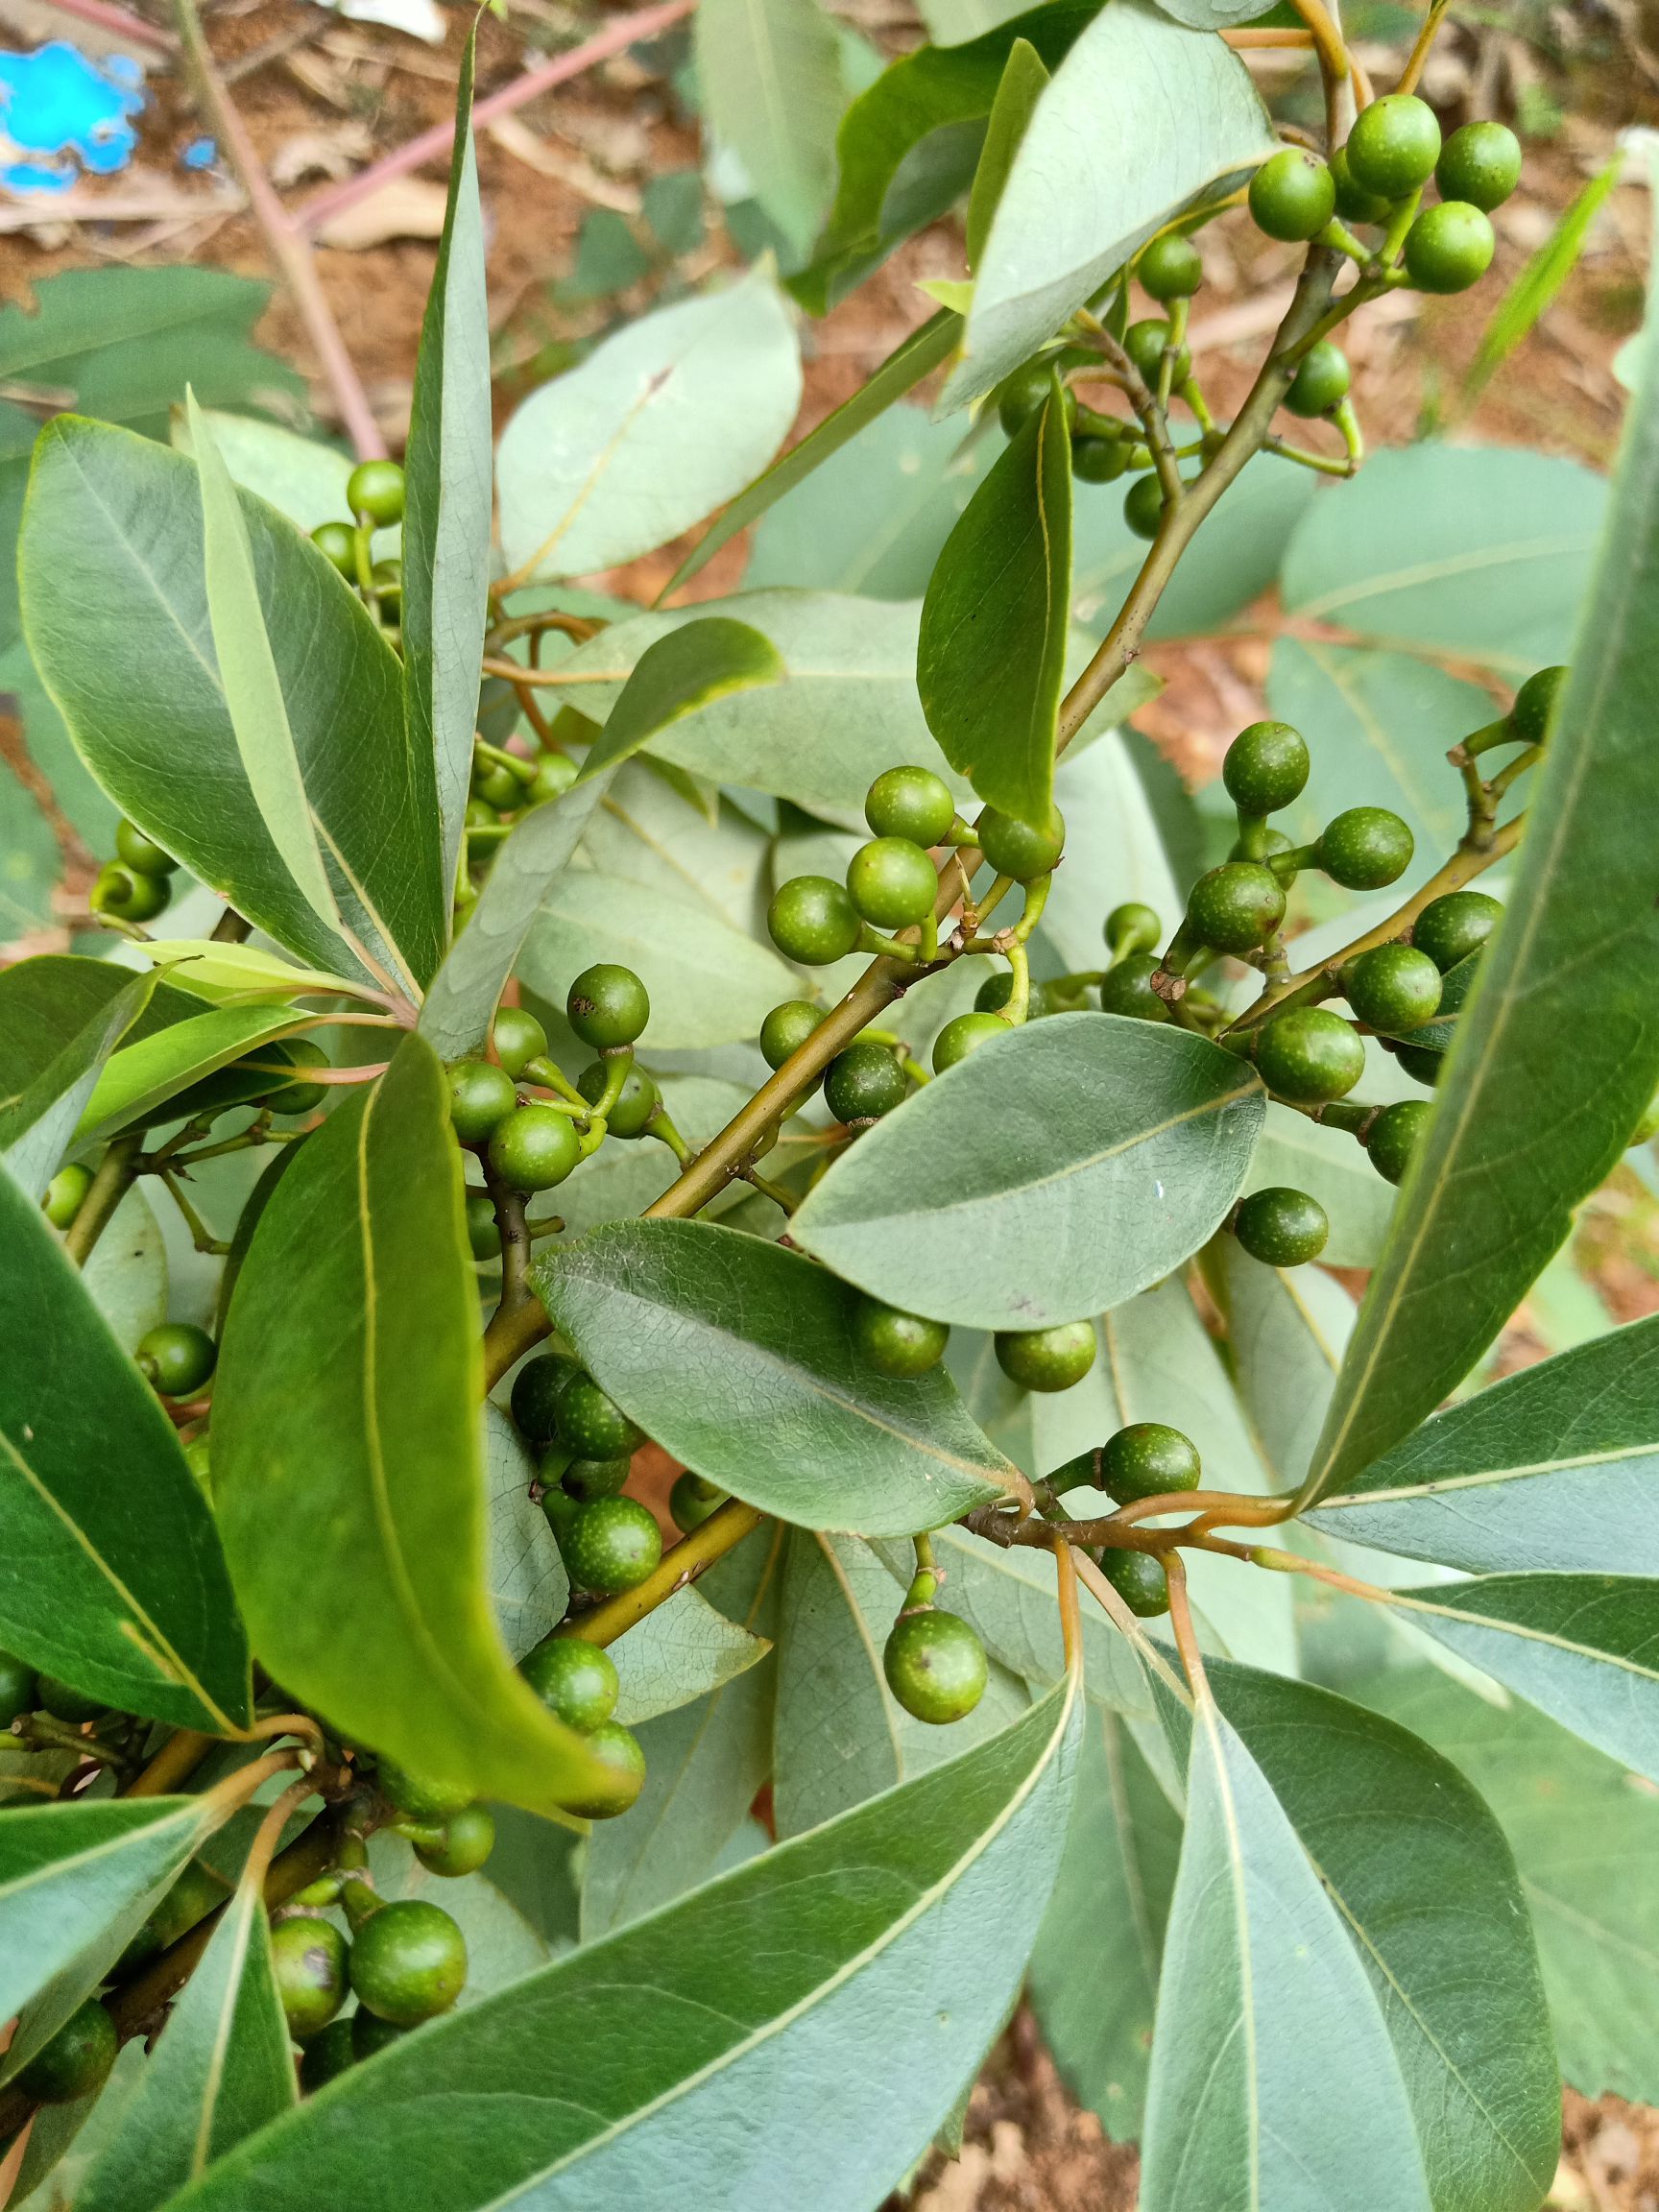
(682, 1323)
(1024, 78)
(1260, 1997)
(115, 603)
(117, 1586)
(346, 1452)
(1052, 1175)
(61, 1018)
(688, 669)
(680, 1652)
(220, 973)
(126, 1274)
(1549, 1470)
(64, 2139)
(143, 1078)
(1577, 954)
(447, 466)
(769, 77)
(665, 420)
(529, 1588)
(1286, 1331)
(300, 477)
(1074, 208)
(790, 1985)
(990, 659)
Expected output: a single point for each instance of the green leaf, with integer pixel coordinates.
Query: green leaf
(64, 2139)
(902, 1926)
(680, 1652)
(1051, 1176)
(688, 669)
(1529, 297)
(1078, 203)
(1261, 1996)
(115, 1585)
(1023, 79)
(346, 1452)
(990, 659)
(61, 1018)
(300, 478)
(144, 1076)
(126, 1274)
(1577, 954)
(901, 371)
(529, 1588)
(1426, 1889)
(446, 525)
(221, 2069)
(239, 971)
(769, 78)
(1287, 1332)
(681, 1323)
(1550, 1468)
(115, 605)
(662, 423)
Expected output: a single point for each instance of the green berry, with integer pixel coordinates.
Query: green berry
(814, 921)
(1536, 704)
(308, 1957)
(66, 1195)
(586, 1480)
(370, 2034)
(64, 1702)
(177, 1357)
(141, 853)
(76, 2061)
(1170, 267)
(612, 1545)
(1127, 988)
(17, 1689)
(480, 814)
(1450, 246)
(964, 1034)
(387, 580)
(786, 1029)
(1266, 767)
(1310, 1055)
(327, 2055)
(1139, 1580)
(481, 1097)
(1015, 848)
(534, 1148)
(1454, 925)
(375, 488)
(692, 1500)
(1048, 1358)
(1144, 506)
(1098, 460)
(1235, 907)
(591, 1423)
(1481, 163)
(625, 1764)
(337, 542)
(518, 1039)
(1320, 381)
(892, 882)
(497, 786)
(1292, 195)
(935, 1665)
(1353, 204)
(467, 1842)
(1131, 927)
(128, 895)
(575, 1680)
(482, 1232)
(910, 802)
(636, 1103)
(1026, 394)
(1393, 146)
(995, 993)
(1422, 1063)
(555, 773)
(898, 1343)
(607, 1007)
(290, 1098)
(408, 1962)
(536, 1389)
(1282, 1227)
(863, 1083)
(1145, 344)
(419, 1796)
(1146, 1459)
(1365, 848)
(1392, 988)
(1394, 1136)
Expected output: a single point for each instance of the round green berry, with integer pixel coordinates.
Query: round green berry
(575, 1680)
(1146, 1459)
(1353, 203)
(1235, 907)
(1266, 767)
(66, 1195)
(608, 1006)
(1422, 1063)
(692, 1501)
(518, 1039)
(337, 542)
(612, 1545)
(1394, 1136)
(1144, 506)
(483, 1231)
(1127, 988)
(481, 1097)
(534, 1148)
(898, 1343)
(1454, 925)
(76, 2061)
(935, 1665)
(370, 2034)
(480, 814)
(555, 773)
(624, 1763)
(964, 1034)
(863, 1083)
(128, 896)
(466, 1842)
(1393, 988)
(1450, 246)
(995, 993)
(912, 802)
(1310, 1055)
(293, 1098)
(327, 2055)
(1139, 1580)
(375, 488)
(892, 882)
(1320, 381)
(1282, 1227)
(419, 1795)
(64, 1702)
(177, 1357)
(1016, 848)
(408, 1962)
(635, 1104)
(1026, 394)
(387, 578)
(1481, 163)
(586, 1480)
(308, 1957)
(1365, 848)
(1536, 704)
(17, 1689)
(1048, 1358)
(1292, 195)
(814, 921)
(1098, 460)
(1131, 927)
(497, 786)
(536, 1389)
(1393, 146)
(141, 853)
(786, 1029)
(1170, 267)
(1144, 343)
(591, 1423)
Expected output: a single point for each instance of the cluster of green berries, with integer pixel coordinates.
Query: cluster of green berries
(891, 883)
(577, 1682)
(138, 884)
(585, 1444)
(374, 492)
(904, 1346)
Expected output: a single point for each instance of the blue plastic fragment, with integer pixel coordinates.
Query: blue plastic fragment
(61, 113)
(200, 154)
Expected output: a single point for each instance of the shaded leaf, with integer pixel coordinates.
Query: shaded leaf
(1024, 77)
(688, 669)
(61, 1018)
(769, 75)
(126, 1274)
(157, 1071)
(680, 1652)
(529, 1588)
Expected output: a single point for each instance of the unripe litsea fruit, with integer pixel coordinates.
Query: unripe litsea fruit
(612, 1545)
(1292, 195)
(895, 1342)
(1393, 987)
(1127, 988)
(1147, 1458)
(814, 921)
(624, 1773)
(1018, 849)
(308, 1957)
(519, 1037)
(1170, 267)
(863, 1083)
(1266, 767)
(176, 1356)
(1139, 1580)
(1048, 1358)
(692, 1500)
(786, 1029)
(575, 1680)
(892, 882)
(1282, 1227)
(534, 1148)
(935, 1665)
(1365, 848)
(964, 1034)
(1310, 1055)
(1235, 907)
(76, 2061)
(1450, 246)
(463, 1845)
(375, 488)
(1456, 925)
(607, 1007)
(1393, 146)
(1321, 379)
(481, 1097)
(408, 1962)
(910, 802)
(1534, 705)
(1394, 1136)
(1481, 163)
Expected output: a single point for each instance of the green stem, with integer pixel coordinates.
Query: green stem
(109, 1186)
